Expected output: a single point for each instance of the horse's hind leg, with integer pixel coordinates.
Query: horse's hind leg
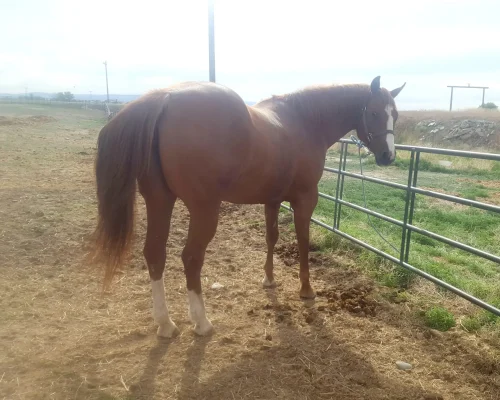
(272, 233)
(202, 228)
(159, 205)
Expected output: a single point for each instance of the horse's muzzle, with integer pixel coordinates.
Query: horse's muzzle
(386, 158)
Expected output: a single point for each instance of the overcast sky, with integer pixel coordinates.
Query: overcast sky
(263, 47)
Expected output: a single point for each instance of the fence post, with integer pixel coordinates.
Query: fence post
(338, 186)
(412, 206)
(407, 208)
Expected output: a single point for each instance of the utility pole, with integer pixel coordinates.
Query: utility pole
(107, 88)
(211, 41)
(466, 87)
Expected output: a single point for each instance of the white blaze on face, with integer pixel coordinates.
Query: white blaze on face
(390, 128)
(390, 118)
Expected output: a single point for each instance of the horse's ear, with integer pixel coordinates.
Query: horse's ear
(395, 92)
(375, 85)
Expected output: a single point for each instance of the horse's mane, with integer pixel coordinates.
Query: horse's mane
(323, 102)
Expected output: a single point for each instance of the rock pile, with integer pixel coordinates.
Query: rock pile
(472, 132)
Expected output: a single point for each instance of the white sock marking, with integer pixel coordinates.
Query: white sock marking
(267, 283)
(166, 327)
(197, 313)
(160, 311)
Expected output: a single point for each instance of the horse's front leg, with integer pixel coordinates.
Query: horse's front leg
(303, 207)
(272, 233)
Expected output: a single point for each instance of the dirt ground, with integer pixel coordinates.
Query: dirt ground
(61, 339)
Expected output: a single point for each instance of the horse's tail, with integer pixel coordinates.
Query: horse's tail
(123, 152)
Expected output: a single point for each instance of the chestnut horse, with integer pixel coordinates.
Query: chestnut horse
(201, 143)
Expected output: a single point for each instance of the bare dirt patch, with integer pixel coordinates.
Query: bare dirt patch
(61, 338)
(444, 203)
(493, 185)
(490, 184)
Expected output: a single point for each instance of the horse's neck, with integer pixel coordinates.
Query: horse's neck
(329, 113)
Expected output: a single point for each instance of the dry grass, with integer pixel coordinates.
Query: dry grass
(474, 113)
(457, 163)
(59, 339)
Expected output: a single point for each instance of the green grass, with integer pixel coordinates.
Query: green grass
(429, 166)
(475, 227)
(482, 319)
(440, 319)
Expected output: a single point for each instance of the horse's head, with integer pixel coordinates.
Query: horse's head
(376, 128)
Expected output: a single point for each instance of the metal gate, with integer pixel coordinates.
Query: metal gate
(407, 226)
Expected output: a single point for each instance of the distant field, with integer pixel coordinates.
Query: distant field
(5, 103)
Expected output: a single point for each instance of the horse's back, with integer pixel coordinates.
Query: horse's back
(216, 107)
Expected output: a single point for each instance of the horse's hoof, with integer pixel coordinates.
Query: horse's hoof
(204, 329)
(168, 330)
(267, 284)
(307, 293)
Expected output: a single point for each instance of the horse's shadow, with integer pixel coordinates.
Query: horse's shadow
(146, 383)
(192, 366)
(145, 387)
(296, 367)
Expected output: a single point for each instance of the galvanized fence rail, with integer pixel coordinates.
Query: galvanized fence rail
(407, 223)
